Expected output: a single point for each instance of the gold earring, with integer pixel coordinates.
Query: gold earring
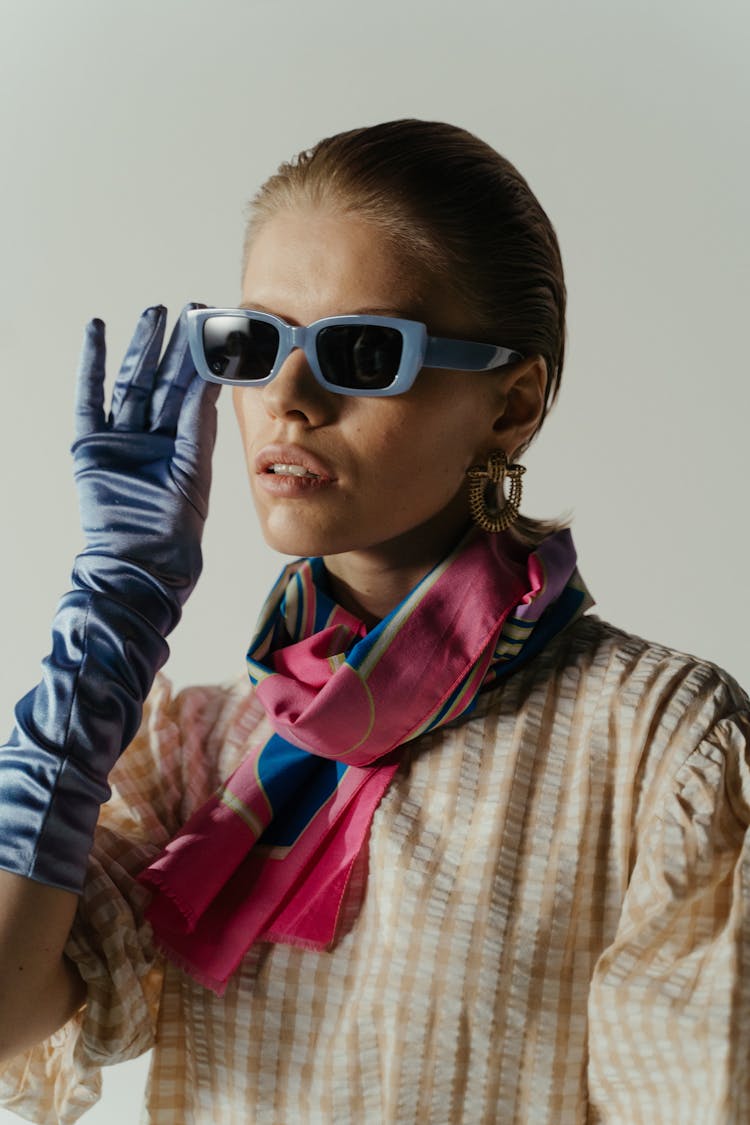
(492, 518)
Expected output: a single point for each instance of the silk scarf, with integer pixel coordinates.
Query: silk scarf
(270, 857)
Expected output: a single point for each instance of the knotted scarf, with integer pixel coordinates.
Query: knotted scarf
(270, 856)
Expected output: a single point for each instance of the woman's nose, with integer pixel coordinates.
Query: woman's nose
(295, 393)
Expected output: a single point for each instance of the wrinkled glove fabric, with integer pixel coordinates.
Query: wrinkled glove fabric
(143, 477)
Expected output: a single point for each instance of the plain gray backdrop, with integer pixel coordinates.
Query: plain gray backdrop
(132, 135)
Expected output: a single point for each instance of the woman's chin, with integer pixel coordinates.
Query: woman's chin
(291, 537)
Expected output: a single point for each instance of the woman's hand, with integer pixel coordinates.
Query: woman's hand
(143, 471)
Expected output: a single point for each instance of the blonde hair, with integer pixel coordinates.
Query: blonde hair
(459, 210)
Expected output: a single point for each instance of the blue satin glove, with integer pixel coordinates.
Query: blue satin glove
(143, 475)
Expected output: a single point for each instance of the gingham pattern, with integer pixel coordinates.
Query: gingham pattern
(555, 930)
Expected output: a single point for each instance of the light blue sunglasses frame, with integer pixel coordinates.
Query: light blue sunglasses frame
(419, 350)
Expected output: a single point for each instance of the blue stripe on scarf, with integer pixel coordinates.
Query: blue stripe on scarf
(296, 784)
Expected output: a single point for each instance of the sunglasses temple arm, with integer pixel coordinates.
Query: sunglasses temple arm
(461, 355)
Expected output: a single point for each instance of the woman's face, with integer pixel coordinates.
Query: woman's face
(391, 472)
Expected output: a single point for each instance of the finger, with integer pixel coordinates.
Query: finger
(131, 395)
(89, 400)
(175, 374)
(195, 440)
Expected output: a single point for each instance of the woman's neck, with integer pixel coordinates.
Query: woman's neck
(370, 583)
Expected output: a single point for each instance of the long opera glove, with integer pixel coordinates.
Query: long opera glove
(143, 475)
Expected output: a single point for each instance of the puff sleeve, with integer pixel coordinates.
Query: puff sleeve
(669, 1004)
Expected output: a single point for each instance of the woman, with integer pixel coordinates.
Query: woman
(503, 870)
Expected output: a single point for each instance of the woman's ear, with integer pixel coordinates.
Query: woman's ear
(523, 388)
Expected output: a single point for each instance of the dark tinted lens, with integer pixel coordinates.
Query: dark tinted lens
(360, 357)
(237, 347)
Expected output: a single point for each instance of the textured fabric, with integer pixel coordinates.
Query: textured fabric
(555, 928)
(272, 854)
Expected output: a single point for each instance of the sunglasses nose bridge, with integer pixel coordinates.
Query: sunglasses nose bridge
(298, 336)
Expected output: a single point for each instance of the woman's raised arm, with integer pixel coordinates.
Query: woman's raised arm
(143, 476)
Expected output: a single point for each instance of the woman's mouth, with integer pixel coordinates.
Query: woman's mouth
(291, 472)
(281, 469)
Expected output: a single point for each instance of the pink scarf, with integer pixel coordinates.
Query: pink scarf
(341, 702)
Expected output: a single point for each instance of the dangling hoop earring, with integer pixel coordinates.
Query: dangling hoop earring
(492, 518)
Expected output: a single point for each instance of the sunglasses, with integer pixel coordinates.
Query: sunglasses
(349, 355)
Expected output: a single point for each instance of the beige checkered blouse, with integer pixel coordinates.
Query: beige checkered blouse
(555, 928)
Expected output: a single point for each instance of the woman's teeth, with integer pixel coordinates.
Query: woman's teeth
(291, 470)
